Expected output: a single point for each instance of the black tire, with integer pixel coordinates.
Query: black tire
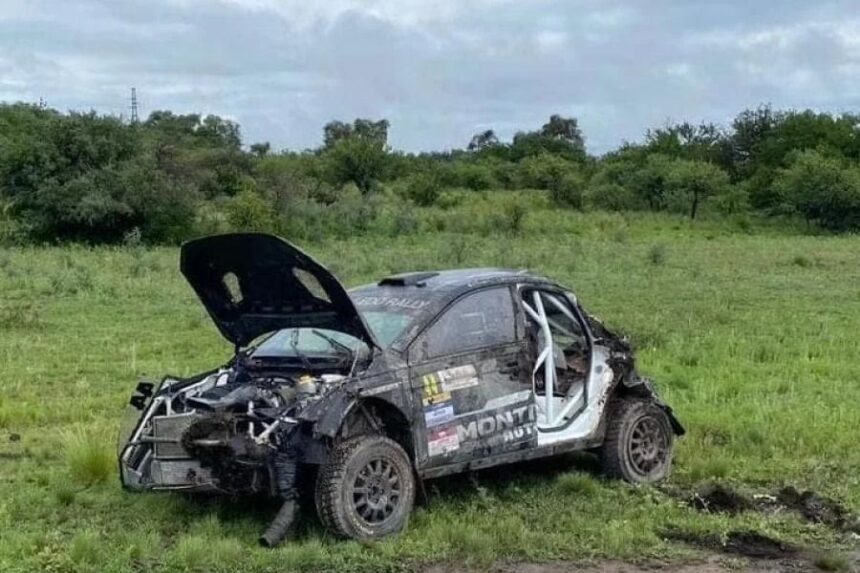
(366, 488)
(638, 443)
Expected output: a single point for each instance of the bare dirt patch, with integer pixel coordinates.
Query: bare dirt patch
(709, 564)
(742, 543)
(811, 506)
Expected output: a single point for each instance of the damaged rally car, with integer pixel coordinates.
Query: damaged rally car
(375, 390)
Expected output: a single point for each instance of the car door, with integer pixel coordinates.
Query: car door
(568, 371)
(470, 382)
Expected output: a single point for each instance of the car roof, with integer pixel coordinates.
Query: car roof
(444, 284)
(424, 294)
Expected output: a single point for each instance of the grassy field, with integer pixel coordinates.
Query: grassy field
(751, 334)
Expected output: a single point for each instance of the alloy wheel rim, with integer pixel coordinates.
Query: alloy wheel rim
(648, 446)
(376, 491)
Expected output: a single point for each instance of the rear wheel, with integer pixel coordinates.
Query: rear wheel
(366, 488)
(638, 443)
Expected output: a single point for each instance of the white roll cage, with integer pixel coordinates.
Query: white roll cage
(546, 359)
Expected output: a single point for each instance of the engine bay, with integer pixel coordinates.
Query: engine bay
(217, 433)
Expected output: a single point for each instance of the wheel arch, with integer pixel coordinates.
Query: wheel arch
(635, 386)
(376, 415)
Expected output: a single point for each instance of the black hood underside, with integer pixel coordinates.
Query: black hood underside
(252, 284)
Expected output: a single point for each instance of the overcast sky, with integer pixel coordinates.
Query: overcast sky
(438, 70)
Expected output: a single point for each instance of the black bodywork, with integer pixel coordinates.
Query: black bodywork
(256, 422)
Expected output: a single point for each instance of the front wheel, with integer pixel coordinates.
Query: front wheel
(366, 488)
(638, 443)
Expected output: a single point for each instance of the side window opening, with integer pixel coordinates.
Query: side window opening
(562, 354)
(478, 320)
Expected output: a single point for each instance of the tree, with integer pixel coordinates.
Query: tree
(750, 129)
(357, 160)
(192, 130)
(336, 131)
(483, 140)
(703, 142)
(565, 129)
(261, 149)
(688, 183)
(822, 189)
(559, 136)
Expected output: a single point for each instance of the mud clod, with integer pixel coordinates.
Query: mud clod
(819, 509)
(717, 498)
(743, 543)
(815, 508)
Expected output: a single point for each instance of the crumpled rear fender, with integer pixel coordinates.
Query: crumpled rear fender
(643, 386)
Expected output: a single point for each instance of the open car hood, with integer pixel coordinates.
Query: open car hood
(253, 283)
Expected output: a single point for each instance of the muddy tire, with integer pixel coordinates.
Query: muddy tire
(638, 443)
(366, 488)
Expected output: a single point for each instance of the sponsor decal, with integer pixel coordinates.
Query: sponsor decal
(392, 302)
(444, 382)
(507, 426)
(381, 389)
(458, 377)
(508, 400)
(432, 392)
(438, 414)
(442, 441)
(439, 398)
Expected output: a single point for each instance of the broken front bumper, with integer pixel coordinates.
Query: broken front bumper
(151, 456)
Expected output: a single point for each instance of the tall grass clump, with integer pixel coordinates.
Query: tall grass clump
(19, 314)
(89, 456)
(85, 548)
(580, 484)
(658, 254)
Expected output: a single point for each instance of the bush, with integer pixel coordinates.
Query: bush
(103, 205)
(822, 190)
(545, 171)
(424, 188)
(612, 197)
(357, 160)
(477, 175)
(734, 200)
(513, 215)
(248, 211)
(568, 191)
(658, 254)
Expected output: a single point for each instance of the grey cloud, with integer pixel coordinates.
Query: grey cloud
(282, 69)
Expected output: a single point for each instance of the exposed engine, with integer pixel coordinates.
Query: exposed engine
(219, 433)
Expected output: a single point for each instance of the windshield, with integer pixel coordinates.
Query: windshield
(386, 327)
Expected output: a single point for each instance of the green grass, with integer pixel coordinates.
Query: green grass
(89, 456)
(832, 562)
(750, 333)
